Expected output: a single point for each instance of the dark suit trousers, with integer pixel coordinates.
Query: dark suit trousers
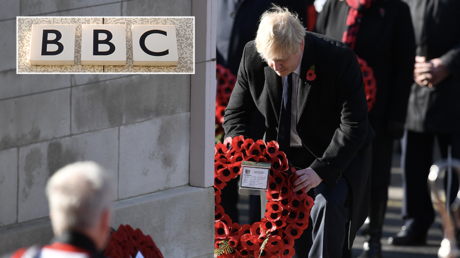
(326, 233)
(416, 160)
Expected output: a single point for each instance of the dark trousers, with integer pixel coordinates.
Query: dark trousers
(416, 160)
(326, 233)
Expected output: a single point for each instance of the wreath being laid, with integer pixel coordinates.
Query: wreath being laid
(225, 84)
(287, 212)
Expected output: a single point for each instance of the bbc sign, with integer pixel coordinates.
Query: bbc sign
(104, 44)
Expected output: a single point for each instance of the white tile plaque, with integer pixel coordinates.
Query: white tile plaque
(103, 44)
(52, 45)
(154, 45)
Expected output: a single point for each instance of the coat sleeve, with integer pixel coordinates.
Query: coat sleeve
(403, 50)
(451, 60)
(238, 114)
(353, 128)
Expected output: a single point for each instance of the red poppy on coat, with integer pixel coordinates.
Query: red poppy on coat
(245, 229)
(311, 75)
(233, 240)
(267, 225)
(221, 230)
(274, 244)
(262, 146)
(293, 232)
(272, 149)
(288, 242)
(249, 242)
(255, 229)
(244, 253)
(237, 142)
(219, 184)
(295, 202)
(263, 253)
(226, 219)
(225, 174)
(247, 144)
(309, 202)
(291, 217)
(234, 228)
(238, 157)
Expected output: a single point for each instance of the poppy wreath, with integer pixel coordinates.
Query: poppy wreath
(126, 242)
(225, 83)
(287, 212)
(370, 85)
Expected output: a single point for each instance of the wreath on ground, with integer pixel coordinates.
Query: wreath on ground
(287, 212)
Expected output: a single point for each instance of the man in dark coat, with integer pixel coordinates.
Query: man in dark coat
(330, 140)
(433, 110)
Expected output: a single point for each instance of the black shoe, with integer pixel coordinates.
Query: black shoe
(372, 247)
(408, 236)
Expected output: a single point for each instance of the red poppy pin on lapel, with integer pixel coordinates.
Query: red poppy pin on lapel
(311, 76)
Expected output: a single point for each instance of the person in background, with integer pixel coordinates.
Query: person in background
(237, 25)
(80, 197)
(381, 34)
(310, 91)
(433, 111)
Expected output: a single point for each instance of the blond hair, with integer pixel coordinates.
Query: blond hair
(279, 35)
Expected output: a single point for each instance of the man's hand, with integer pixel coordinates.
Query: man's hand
(429, 73)
(306, 178)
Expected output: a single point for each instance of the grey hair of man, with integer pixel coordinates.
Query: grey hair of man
(78, 194)
(279, 34)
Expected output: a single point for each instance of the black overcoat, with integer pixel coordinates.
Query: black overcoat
(331, 113)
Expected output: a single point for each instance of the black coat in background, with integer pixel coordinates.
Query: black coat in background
(386, 42)
(437, 31)
(331, 114)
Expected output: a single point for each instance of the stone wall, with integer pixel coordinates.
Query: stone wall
(140, 127)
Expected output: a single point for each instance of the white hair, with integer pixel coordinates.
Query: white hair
(279, 35)
(78, 194)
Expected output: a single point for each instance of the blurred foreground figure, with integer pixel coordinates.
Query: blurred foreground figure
(433, 111)
(380, 32)
(80, 197)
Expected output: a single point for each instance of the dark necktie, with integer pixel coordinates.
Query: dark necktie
(284, 124)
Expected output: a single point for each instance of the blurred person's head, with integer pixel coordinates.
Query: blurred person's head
(80, 197)
(280, 40)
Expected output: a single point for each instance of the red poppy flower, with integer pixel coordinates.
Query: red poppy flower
(285, 203)
(255, 229)
(293, 232)
(279, 178)
(220, 157)
(273, 195)
(233, 240)
(228, 142)
(247, 144)
(289, 242)
(285, 193)
(219, 184)
(238, 157)
(220, 112)
(225, 174)
(253, 158)
(254, 150)
(295, 202)
(220, 148)
(291, 217)
(219, 212)
(245, 229)
(226, 219)
(300, 195)
(249, 242)
(311, 75)
(274, 207)
(263, 253)
(235, 228)
(302, 216)
(272, 149)
(273, 216)
(287, 252)
(218, 165)
(309, 202)
(217, 199)
(280, 223)
(273, 186)
(221, 230)
(301, 226)
(267, 225)
(245, 253)
(276, 164)
(237, 142)
(284, 161)
(274, 244)
(261, 145)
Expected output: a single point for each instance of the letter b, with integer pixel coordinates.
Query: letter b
(55, 41)
(106, 41)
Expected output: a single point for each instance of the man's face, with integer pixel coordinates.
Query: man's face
(286, 66)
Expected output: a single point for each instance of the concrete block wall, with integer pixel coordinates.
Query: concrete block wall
(137, 126)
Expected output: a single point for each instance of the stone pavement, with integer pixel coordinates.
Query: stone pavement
(392, 224)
